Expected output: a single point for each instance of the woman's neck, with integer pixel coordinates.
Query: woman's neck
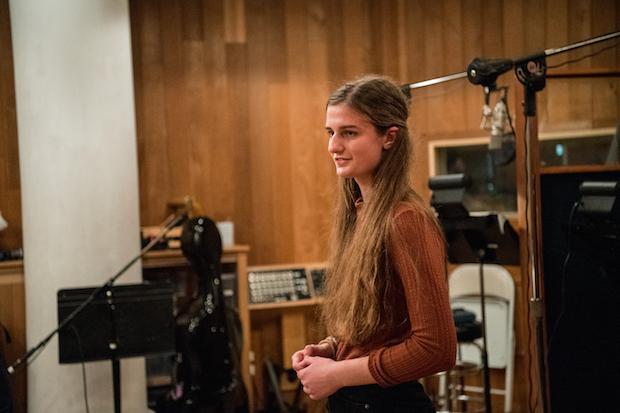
(365, 188)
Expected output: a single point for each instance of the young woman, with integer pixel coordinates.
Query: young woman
(386, 298)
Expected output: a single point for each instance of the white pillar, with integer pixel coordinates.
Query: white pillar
(77, 150)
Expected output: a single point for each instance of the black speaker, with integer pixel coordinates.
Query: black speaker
(581, 254)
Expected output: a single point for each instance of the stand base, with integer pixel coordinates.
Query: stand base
(116, 383)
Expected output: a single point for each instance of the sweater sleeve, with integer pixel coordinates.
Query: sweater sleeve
(418, 253)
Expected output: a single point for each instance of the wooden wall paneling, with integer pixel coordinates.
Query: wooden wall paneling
(234, 18)
(263, 243)
(240, 190)
(191, 17)
(512, 28)
(402, 40)
(473, 33)
(534, 17)
(210, 177)
(305, 28)
(492, 26)
(178, 100)
(582, 97)
(428, 104)
(453, 62)
(384, 55)
(151, 103)
(280, 155)
(275, 38)
(435, 42)
(416, 67)
(356, 46)
(10, 195)
(605, 90)
(335, 42)
(378, 44)
(315, 196)
(282, 178)
(223, 128)
(201, 138)
(414, 44)
(580, 100)
(552, 100)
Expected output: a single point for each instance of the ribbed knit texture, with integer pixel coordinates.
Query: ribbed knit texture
(425, 343)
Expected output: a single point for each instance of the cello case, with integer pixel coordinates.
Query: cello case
(208, 333)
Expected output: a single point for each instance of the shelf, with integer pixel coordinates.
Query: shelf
(583, 73)
(11, 266)
(572, 169)
(175, 258)
(308, 302)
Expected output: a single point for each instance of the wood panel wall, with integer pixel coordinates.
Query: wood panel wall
(10, 195)
(230, 95)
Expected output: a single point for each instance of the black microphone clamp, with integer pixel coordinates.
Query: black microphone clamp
(485, 71)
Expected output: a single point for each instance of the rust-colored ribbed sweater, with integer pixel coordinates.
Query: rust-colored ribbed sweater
(426, 342)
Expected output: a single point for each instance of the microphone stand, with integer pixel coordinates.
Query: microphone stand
(170, 222)
(531, 72)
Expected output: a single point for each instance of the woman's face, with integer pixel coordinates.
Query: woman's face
(354, 144)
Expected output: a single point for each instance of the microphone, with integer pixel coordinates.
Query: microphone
(3, 223)
(499, 123)
(485, 71)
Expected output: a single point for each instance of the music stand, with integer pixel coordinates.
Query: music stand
(122, 321)
(473, 239)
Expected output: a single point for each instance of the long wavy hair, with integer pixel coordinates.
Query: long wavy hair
(361, 277)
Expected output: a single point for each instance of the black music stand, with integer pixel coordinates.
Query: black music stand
(122, 321)
(473, 239)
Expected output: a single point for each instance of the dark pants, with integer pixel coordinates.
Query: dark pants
(406, 397)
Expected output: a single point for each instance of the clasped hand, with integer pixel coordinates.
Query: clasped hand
(316, 370)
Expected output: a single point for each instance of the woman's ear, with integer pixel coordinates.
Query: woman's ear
(390, 137)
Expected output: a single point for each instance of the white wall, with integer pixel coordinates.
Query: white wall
(75, 113)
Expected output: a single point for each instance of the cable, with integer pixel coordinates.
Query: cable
(584, 57)
(563, 279)
(85, 386)
(512, 128)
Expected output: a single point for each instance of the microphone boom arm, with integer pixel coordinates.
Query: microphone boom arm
(170, 222)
